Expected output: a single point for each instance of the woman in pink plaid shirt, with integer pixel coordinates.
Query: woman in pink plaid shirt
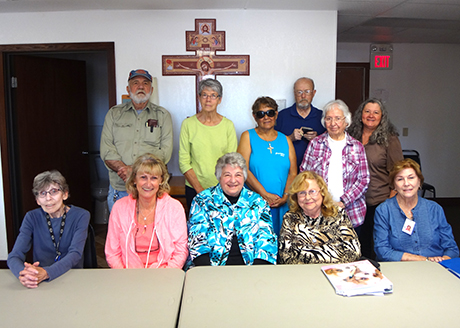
(341, 161)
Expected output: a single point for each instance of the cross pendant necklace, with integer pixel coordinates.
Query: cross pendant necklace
(270, 147)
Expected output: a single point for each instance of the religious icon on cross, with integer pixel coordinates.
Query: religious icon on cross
(205, 64)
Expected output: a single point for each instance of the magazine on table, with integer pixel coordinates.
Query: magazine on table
(357, 278)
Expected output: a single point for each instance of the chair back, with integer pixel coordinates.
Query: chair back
(413, 155)
(89, 252)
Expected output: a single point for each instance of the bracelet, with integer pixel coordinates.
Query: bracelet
(427, 259)
(286, 193)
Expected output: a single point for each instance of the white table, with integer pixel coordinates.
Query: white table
(94, 298)
(425, 295)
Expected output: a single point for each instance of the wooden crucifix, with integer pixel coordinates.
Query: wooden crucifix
(205, 64)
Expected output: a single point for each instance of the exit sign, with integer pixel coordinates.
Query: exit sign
(381, 56)
(381, 61)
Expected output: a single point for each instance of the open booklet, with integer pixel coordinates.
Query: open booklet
(357, 278)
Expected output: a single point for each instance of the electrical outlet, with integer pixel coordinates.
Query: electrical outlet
(405, 132)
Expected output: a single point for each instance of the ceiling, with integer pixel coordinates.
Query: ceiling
(377, 21)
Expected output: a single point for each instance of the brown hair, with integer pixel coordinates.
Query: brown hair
(405, 164)
(150, 164)
(264, 101)
(44, 179)
(299, 184)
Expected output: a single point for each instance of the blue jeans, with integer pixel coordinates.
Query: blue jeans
(114, 195)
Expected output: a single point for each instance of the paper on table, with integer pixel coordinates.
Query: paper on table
(357, 278)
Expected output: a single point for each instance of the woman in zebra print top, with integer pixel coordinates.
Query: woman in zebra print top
(315, 230)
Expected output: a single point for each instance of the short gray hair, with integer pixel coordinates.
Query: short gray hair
(45, 179)
(232, 159)
(212, 84)
(340, 104)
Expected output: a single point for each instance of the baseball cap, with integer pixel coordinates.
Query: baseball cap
(140, 72)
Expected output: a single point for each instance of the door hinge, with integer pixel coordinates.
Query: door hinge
(14, 82)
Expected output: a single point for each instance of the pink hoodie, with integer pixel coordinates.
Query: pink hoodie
(171, 229)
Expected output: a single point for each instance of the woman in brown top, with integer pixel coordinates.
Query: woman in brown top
(373, 128)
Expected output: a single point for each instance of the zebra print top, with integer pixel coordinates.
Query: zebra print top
(306, 240)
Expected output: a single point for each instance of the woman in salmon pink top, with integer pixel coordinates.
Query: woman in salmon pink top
(147, 229)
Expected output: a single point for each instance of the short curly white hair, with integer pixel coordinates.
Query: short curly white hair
(339, 104)
(232, 159)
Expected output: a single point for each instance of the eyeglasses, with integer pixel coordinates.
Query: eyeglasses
(269, 113)
(53, 192)
(334, 119)
(306, 92)
(212, 96)
(312, 193)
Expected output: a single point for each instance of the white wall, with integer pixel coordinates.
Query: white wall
(422, 93)
(283, 46)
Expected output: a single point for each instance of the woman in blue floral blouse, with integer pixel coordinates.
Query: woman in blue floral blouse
(229, 224)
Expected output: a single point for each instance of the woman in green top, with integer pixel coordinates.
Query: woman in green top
(204, 138)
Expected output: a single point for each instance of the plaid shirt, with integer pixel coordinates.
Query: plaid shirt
(355, 172)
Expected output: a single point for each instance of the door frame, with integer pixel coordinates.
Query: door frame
(102, 47)
(366, 78)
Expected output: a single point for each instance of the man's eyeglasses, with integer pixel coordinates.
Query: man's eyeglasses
(212, 96)
(306, 92)
(269, 113)
(52, 192)
(312, 193)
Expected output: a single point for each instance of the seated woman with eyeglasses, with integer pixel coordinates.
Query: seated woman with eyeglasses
(56, 231)
(147, 229)
(315, 230)
(271, 159)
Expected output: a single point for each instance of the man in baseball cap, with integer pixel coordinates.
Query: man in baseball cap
(140, 72)
(132, 129)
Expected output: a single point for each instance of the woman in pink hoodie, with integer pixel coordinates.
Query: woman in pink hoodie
(147, 229)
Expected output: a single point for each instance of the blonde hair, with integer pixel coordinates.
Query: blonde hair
(148, 163)
(299, 184)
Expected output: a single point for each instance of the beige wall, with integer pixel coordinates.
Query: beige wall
(422, 93)
(283, 46)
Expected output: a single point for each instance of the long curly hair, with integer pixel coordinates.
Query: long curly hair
(384, 131)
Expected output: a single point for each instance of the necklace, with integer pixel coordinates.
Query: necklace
(145, 216)
(406, 209)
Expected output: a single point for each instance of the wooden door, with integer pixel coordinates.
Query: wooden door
(352, 84)
(50, 126)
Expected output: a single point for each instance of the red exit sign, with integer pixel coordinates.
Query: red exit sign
(379, 61)
(381, 56)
